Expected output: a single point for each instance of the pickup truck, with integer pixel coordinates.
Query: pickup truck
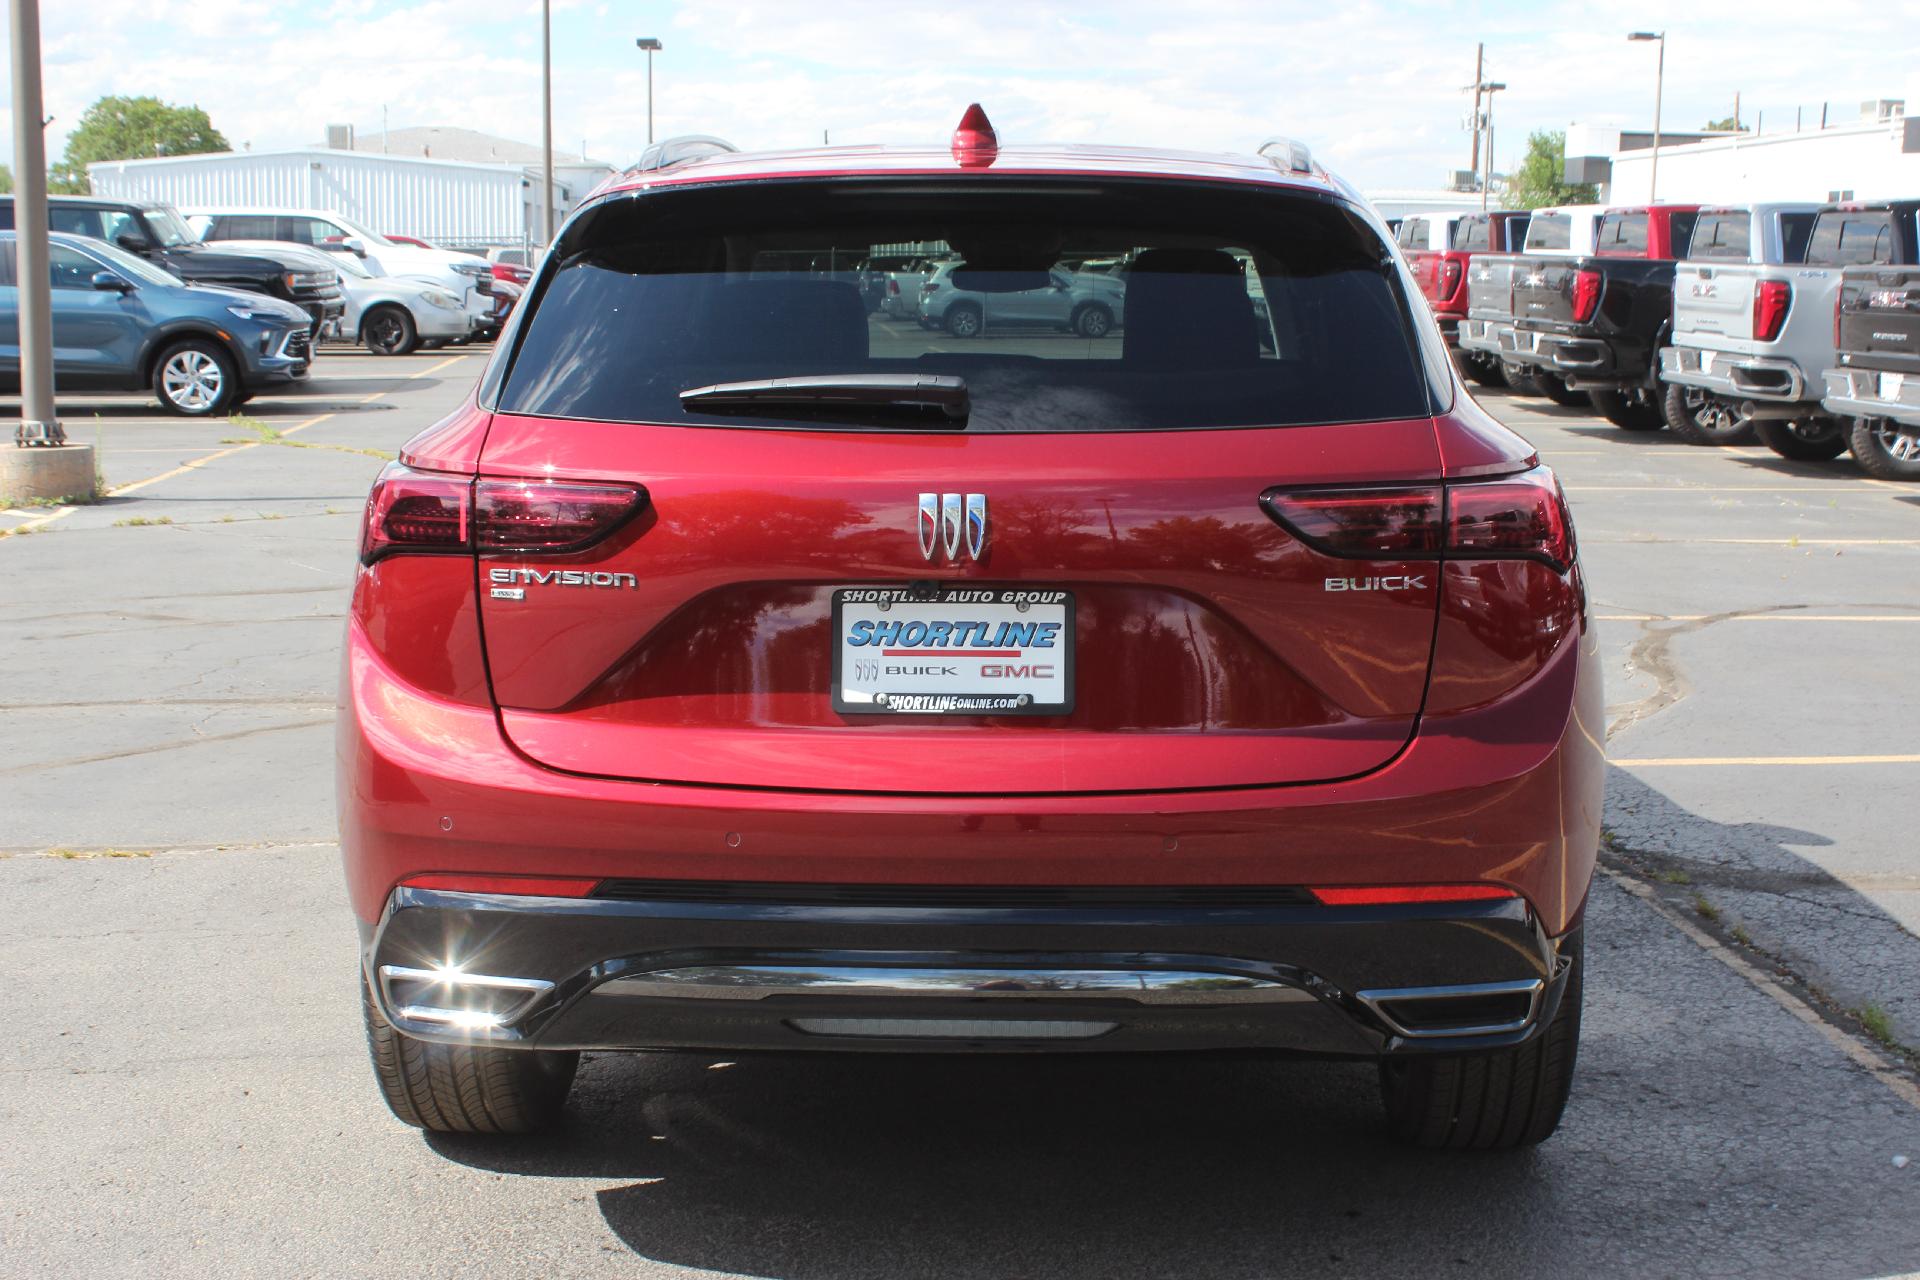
(1488, 331)
(1876, 386)
(157, 233)
(1753, 330)
(1439, 249)
(1598, 320)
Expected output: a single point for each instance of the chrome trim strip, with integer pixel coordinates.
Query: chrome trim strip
(1533, 988)
(1141, 986)
(951, 1028)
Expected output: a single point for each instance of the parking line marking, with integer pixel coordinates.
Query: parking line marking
(1871, 1061)
(1759, 617)
(1713, 488)
(1706, 762)
(1763, 542)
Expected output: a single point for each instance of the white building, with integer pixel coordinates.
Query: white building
(458, 202)
(1806, 156)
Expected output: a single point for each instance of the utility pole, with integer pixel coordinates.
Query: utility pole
(1479, 78)
(546, 122)
(38, 426)
(652, 45)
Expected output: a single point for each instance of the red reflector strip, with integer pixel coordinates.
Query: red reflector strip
(1377, 895)
(525, 886)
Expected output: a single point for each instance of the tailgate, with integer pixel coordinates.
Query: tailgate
(1543, 289)
(1880, 317)
(1490, 286)
(1713, 301)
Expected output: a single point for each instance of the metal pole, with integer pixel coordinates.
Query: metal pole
(1488, 184)
(37, 423)
(1479, 57)
(1659, 87)
(649, 97)
(546, 122)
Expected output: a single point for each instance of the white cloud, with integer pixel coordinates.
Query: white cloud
(1372, 86)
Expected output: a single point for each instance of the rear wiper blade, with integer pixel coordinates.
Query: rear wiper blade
(925, 393)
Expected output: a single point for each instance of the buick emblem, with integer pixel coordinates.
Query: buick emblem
(950, 523)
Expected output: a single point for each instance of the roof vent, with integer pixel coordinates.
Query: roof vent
(688, 146)
(1288, 154)
(975, 144)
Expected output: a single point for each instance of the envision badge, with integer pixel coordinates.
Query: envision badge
(509, 584)
(950, 521)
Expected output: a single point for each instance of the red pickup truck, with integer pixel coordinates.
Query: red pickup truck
(1437, 247)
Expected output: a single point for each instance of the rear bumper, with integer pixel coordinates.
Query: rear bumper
(1737, 377)
(636, 974)
(1483, 335)
(1866, 393)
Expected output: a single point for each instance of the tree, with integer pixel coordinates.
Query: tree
(117, 128)
(1728, 125)
(6, 180)
(1540, 178)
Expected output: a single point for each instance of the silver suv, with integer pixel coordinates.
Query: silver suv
(1090, 304)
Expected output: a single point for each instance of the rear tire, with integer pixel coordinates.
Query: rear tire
(1559, 392)
(1519, 379)
(1700, 417)
(1629, 413)
(447, 1088)
(1484, 370)
(1490, 1101)
(1885, 449)
(963, 320)
(1807, 440)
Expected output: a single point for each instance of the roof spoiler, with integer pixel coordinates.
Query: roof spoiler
(1287, 154)
(678, 150)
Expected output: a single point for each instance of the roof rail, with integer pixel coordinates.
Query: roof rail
(687, 146)
(1288, 154)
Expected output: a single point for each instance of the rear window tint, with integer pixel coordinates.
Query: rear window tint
(1475, 233)
(1796, 230)
(1722, 235)
(1621, 234)
(1210, 307)
(1550, 231)
(1848, 237)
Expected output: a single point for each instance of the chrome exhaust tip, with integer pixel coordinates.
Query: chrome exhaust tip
(455, 998)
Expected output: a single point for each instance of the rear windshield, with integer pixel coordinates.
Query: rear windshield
(1550, 231)
(1064, 306)
(1849, 237)
(1473, 233)
(1621, 235)
(1722, 235)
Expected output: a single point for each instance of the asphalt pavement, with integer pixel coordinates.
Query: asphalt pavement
(186, 1090)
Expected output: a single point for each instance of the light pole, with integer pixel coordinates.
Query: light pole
(546, 123)
(1659, 86)
(37, 423)
(652, 46)
(1486, 183)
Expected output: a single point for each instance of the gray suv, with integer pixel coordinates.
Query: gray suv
(1091, 305)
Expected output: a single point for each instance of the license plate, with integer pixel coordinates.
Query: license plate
(1891, 385)
(952, 650)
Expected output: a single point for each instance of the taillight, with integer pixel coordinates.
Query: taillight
(1770, 302)
(548, 515)
(429, 512)
(420, 511)
(1449, 277)
(1516, 517)
(1384, 894)
(929, 287)
(1586, 295)
(893, 288)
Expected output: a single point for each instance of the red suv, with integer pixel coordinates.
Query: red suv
(739, 669)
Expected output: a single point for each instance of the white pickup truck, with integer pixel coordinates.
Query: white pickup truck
(1753, 329)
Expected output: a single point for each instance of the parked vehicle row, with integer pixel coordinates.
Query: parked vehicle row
(1796, 324)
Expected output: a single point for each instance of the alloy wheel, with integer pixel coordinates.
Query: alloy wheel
(1902, 443)
(193, 380)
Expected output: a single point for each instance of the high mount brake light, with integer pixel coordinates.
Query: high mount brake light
(424, 512)
(975, 144)
(1586, 295)
(1394, 894)
(1521, 516)
(1770, 302)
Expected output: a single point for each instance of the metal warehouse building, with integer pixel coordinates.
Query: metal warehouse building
(461, 204)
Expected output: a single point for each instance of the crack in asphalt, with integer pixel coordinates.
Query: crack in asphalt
(74, 761)
(1650, 656)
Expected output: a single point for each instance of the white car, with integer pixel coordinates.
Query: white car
(468, 275)
(390, 315)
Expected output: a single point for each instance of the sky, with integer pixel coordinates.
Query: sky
(1374, 88)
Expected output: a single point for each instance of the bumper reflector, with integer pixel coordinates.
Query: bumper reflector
(528, 886)
(952, 1028)
(1379, 895)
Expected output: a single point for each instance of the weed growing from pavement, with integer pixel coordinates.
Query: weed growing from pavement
(76, 855)
(265, 434)
(1704, 909)
(1878, 1024)
(1674, 875)
(134, 522)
